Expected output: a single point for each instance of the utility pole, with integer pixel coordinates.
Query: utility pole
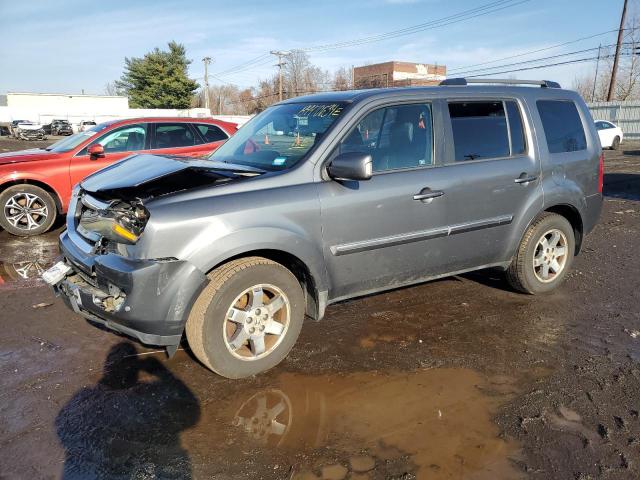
(207, 61)
(614, 71)
(595, 79)
(280, 64)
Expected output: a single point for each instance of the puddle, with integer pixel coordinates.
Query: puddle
(22, 261)
(433, 423)
(138, 416)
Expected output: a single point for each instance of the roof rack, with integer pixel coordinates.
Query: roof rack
(503, 81)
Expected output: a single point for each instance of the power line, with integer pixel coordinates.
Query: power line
(485, 9)
(448, 20)
(531, 51)
(568, 62)
(487, 70)
(248, 62)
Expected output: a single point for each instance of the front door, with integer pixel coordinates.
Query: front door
(391, 229)
(118, 144)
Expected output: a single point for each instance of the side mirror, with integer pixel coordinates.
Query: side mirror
(95, 151)
(351, 166)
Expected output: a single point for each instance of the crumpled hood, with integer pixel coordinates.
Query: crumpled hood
(156, 174)
(30, 155)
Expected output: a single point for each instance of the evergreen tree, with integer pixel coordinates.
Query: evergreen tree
(159, 79)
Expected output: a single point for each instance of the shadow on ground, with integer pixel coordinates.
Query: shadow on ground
(622, 185)
(128, 425)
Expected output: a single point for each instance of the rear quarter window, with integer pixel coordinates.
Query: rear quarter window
(210, 133)
(562, 126)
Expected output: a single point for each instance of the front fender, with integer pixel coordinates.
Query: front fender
(36, 179)
(263, 238)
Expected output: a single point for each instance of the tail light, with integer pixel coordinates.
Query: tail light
(601, 172)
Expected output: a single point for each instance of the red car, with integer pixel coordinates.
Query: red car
(36, 184)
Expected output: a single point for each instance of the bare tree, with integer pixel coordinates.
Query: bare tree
(111, 89)
(341, 79)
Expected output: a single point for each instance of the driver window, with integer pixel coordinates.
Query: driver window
(126, 139)
(397, 137)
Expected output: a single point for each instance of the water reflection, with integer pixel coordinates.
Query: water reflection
(433, 423)
(23, 260)
(265, 417)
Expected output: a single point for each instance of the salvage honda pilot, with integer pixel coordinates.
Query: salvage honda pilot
(328, 197)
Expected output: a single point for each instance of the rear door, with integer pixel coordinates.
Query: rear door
(175, 138)
(209, 137)
(118, 143)
(491, 179)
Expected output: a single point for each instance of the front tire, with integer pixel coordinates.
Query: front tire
(247, 318)
(544, 256)
(26, 210)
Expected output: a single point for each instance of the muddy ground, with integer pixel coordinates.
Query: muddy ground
(459, 378)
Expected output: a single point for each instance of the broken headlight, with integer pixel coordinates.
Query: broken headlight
(122, 222)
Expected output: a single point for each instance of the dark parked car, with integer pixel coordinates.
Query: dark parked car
(61, 127)
(384, 188)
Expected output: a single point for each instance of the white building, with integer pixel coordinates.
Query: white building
(44, 107)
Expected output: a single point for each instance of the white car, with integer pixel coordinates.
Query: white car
(86, 125)
(610, 134)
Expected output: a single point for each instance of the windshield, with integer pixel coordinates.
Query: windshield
(76, 139)
(279, 137)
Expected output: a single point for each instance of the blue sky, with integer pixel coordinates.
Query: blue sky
(65, 46)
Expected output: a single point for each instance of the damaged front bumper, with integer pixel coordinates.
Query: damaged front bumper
(149, 300)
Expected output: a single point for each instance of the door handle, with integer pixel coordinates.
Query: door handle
(524, 179)
(428, 195)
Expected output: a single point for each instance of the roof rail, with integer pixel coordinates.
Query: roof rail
(503, 81)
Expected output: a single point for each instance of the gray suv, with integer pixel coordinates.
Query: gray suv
(328, 197)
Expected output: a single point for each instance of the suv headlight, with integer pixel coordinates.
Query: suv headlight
(122, 222)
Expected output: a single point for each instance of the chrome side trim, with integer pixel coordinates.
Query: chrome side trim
(382, 242)
(480, 224)
(389, 241)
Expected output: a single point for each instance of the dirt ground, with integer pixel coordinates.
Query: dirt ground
(458, 378)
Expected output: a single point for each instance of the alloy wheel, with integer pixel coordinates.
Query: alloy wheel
(550, 256)
(26, 211)
(256, 322)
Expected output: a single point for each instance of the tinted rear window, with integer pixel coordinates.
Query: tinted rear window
(479, 130)
(562, 126)
(210, 133)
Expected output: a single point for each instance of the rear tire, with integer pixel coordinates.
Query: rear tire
(615, 145)
(233, 331)
(27, 210)
(544, 256)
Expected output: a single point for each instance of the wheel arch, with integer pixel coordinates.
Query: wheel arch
(36, 183)
(311, 285)
(573, 216)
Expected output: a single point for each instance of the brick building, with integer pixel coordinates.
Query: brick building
(398, 74)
